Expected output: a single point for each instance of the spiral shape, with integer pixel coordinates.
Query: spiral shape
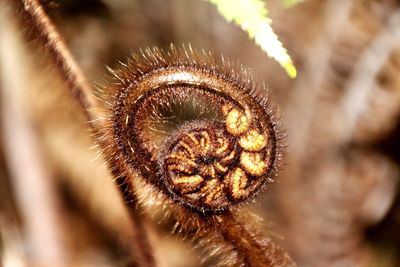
(196, 129)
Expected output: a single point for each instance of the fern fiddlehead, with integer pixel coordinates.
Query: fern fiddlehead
(199, 132)
(206, 137)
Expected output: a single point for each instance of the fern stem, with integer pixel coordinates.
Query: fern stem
(41, 25)
(36, 20)
(254, 248)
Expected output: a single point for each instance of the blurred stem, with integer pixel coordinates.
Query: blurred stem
(361, 83)
(307, 89)
(32, 183)
(36, 20)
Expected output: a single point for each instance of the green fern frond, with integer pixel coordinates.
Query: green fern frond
(251, 16)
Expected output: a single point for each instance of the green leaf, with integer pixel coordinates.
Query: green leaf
(251, 16)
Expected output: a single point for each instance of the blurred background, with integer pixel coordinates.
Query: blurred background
(336, 201)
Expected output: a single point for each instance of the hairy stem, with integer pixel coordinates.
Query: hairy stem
(39, 24)
(235, 237)
(254, 249)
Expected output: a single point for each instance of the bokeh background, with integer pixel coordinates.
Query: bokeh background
(336, 201)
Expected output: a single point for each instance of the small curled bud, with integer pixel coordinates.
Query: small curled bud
(195, 129)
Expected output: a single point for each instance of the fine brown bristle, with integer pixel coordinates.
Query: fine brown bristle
(158, 94)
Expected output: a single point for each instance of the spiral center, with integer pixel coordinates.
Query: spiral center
(211, 164)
